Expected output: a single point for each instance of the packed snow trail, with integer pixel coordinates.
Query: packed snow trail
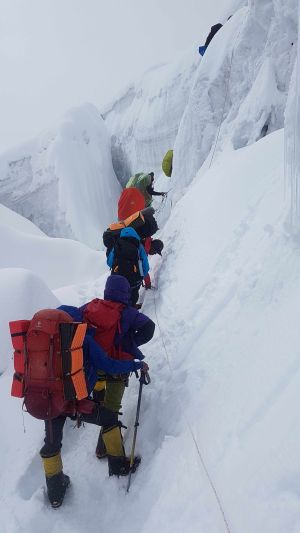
(189, 427)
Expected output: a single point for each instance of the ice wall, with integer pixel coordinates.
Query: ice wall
(292, 145)
(64, 181)
(241, 85)
(229, 99)
(144, 120)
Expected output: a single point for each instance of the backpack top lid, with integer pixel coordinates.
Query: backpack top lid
(130, 201)
(48, 320)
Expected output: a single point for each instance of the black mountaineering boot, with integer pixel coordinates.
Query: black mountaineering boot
(120, 466)
(56, 488)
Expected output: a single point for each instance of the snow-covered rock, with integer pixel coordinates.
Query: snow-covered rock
(64, 181)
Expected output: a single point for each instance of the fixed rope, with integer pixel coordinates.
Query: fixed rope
(192, 434)
(227, 89)
(190, 429)
(162, 204)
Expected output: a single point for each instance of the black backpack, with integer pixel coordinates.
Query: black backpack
(149, 228)
(127, 259)
(145, 226)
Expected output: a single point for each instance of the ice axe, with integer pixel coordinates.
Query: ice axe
(144, 380)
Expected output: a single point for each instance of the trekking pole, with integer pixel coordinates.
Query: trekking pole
(144, 380)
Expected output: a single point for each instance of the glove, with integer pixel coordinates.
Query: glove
(145, 367)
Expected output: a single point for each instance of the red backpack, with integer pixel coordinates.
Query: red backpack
(48, 362)
(130, 201)
(105, 316)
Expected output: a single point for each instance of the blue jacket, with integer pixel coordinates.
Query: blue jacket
(132, 234)
(94, 357)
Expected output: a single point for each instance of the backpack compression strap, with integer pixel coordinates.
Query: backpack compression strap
(72, 337)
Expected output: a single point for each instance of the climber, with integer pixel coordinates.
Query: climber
(214, 29)
(129, 259)
(48, 338)
(151, 191)
(144, 182)
(143, 222)
(131, 330)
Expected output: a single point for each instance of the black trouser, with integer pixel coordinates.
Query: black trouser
(134, 294)
(54, 428)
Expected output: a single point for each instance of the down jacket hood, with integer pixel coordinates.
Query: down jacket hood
(117, 289)
(129, 233)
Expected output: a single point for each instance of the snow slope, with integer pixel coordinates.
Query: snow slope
(13, 220)
(225, 376)
(58, 262)
(236, 339)
(219, 431)
(64, 181)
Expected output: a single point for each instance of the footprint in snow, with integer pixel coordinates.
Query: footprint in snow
(31, 480)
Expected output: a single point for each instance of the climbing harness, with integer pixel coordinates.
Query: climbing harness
(192, 434)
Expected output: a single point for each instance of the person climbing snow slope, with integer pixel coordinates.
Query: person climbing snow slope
(144, 182)
(120, 336)
(56, 363)
(129, 259)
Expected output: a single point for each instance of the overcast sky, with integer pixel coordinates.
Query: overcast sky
(55, 54)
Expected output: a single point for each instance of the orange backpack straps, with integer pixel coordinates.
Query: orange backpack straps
(77, 370)
(18, 330)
